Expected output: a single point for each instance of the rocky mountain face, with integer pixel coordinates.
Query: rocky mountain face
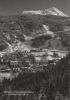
(49, 28)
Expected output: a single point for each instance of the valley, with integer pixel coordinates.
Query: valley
(35, 55)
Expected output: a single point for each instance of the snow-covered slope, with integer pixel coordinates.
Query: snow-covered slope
(50, 11)
(47, 31)
(54, 11)
(32, 12)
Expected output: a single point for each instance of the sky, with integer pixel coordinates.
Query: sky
(9, 7)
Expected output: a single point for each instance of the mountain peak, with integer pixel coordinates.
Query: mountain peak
(55, 11)
(52, 8)
(50, 11)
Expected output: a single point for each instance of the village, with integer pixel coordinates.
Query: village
(30, 61)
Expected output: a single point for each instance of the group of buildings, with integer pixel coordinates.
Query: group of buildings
(47, 55)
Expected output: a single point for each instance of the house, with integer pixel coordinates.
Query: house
(13, 63)
(38, 59)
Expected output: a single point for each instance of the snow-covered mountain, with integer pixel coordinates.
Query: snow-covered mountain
(50, 11)
(29, 30)
(54, 11)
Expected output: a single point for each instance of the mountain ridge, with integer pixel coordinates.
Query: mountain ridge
(50, 11)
